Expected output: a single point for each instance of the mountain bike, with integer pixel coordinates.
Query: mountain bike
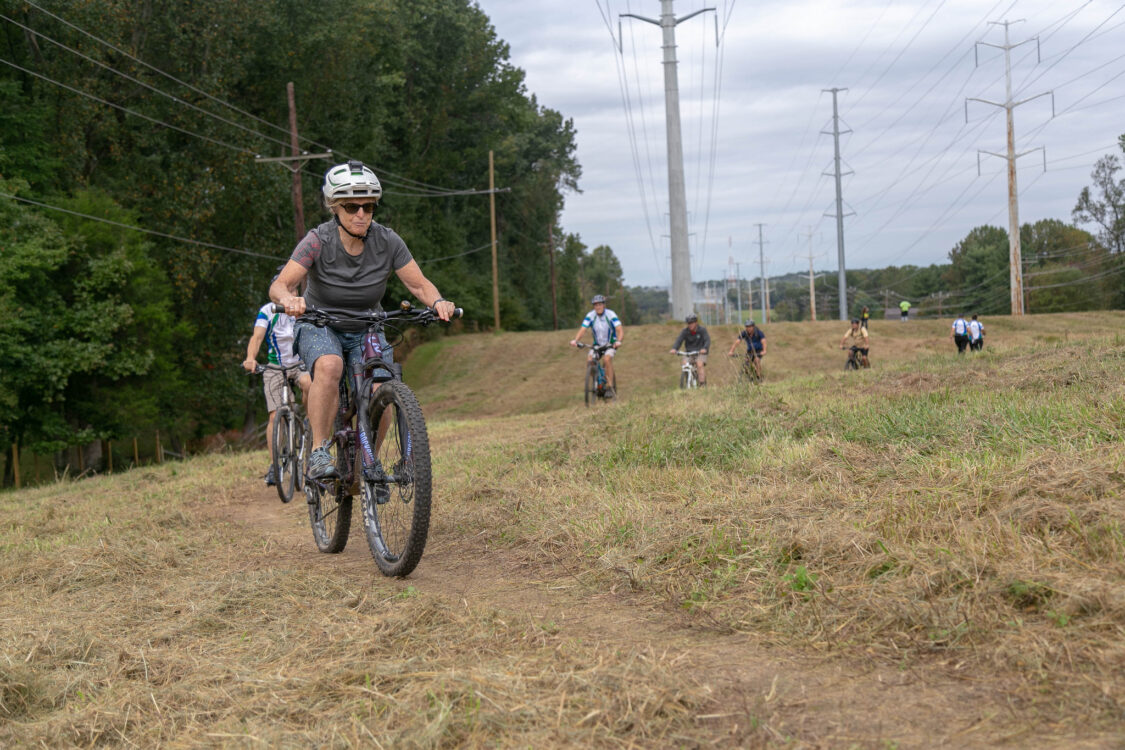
(597, 386)
(746, 371)
(291, 437)
(855, 360)
(689, 378)
(381, 449)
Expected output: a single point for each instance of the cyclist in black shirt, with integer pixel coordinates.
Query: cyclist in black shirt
(695, 339)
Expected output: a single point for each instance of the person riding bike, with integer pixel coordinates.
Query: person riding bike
(859, 339)
(755, 345)
(346, 261)
(606, 329)
(277, 330)
(695, 339)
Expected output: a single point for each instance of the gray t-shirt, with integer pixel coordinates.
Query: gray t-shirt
(339, 282)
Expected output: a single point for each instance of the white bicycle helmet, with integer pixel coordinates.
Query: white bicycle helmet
(351, 180)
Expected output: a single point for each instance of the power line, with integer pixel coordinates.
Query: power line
(385, 172)
(127, 110)
(188, 240)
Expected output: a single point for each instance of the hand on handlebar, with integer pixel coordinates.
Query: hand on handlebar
(445, 309)
(574, 342)
(250, 365)
(293, 306)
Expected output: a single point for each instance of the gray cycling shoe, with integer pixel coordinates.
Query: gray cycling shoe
(321, 465)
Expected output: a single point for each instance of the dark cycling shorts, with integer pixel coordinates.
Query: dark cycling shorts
(753, 352)
(313, 342)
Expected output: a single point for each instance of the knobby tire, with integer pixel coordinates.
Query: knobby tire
(330, 507)
(397, 523)
(284, 453)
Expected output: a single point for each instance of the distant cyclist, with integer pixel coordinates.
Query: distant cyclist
(864, 316)
(277, 330)
(959, 332)
(606, 329)
(976, 334)
(695, 339)
(859, 340)
(755, 341)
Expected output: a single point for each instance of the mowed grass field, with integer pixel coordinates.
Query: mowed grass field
(928, 553)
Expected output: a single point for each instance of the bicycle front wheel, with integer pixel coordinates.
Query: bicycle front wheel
(396, 501)
(851, 364)
(284, 453)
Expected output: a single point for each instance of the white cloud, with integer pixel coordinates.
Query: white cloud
(908, 66)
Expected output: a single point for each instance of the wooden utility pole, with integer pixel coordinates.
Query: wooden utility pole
(495, 266)
(551, 256)
(298, 198)
(294, 163)
(136, 454)
(16, 463)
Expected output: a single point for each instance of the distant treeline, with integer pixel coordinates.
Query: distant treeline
(1066, 269)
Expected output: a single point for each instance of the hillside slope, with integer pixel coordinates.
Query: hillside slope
(484, 375)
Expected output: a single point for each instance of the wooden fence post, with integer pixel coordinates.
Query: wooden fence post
(81, 460)
(109, 452)
(159, 452)
(16, 463)
(136, 456)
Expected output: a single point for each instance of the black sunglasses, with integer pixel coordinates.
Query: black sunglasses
(368, 208)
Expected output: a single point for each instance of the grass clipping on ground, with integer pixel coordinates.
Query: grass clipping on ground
(125, 621)
(963, 511)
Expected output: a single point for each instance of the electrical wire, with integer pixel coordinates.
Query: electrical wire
(188, 240)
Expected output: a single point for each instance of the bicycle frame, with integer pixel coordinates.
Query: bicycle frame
(596, 369)
(689, 376)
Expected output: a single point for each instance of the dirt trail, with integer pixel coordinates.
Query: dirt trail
(799, 700)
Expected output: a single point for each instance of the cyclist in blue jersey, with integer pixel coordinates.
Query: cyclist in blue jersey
(755, 341)
(605, 328)
(277, 330)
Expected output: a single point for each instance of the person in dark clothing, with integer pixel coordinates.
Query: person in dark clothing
(695, 339)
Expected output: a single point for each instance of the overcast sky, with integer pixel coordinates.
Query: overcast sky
(908, 66)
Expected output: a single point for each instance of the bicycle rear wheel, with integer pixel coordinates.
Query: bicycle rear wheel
(591, 388)
(330, 509)
(284, 453)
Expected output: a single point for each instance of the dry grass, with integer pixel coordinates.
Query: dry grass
(127, 623)
(959, 520)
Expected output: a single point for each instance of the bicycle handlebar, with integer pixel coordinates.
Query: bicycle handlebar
(687, 354)
(406, 312)
(603, 347)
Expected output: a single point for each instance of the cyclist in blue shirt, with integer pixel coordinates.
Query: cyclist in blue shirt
(606, 329)
(755, 341)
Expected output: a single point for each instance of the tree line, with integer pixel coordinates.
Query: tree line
(149, 114)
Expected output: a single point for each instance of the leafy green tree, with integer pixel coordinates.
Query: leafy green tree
(1104, 205)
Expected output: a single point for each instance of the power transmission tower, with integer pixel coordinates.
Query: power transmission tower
(765, 289)
(1015, 263)
(812, 277)
(677, 198)
(836, 133)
